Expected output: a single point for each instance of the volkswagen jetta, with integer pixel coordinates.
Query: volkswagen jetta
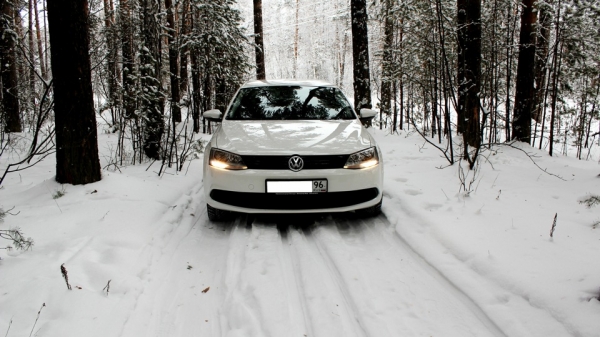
(291, 147)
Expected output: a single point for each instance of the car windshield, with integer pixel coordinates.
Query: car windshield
(290, 103)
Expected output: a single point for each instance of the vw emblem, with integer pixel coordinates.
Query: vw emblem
(296, 163)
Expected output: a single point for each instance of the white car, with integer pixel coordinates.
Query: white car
(291, 147)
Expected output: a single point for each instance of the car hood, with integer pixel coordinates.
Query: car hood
(292, 137)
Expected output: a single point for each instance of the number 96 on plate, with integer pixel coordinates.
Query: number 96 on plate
(319, 186)
(297, 186)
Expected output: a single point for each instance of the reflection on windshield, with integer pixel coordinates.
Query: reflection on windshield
(290, 103)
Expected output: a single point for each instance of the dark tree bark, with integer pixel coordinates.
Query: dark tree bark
(31, 56)
(461, 21)
(386, 81)
(524, 98)
(510, 34)
(196, 89)
(400, 80)
(556, 68)
(360, 53)
(221, 99)
(10, 100)
(111, 57)
(76, 136)
(196, 96)
(471, 50)
(184, 51)
(541, 60)
(152, 100)
(258, 40)
(129, 96)
(173, 61)
(43, 67)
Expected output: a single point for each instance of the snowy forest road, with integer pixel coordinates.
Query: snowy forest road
(328, 275)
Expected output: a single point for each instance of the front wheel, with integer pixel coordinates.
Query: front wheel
(215, 214)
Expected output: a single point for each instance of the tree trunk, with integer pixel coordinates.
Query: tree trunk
(342, 60)
(129, 90)
(510, 36)
(111, 57)
(195, 68)
(196, 99)
(556, 64)
(541, 60)
(152, 105)
(360, 53)
(524, 98)
(31, 56)
(8, 69)
(297, 39)
(461, 21)
(184, 51)
(76, 136)
(173, 61)
(400, 101)
(258, 40)
(43, 67)
(472, 72)
(386, 81)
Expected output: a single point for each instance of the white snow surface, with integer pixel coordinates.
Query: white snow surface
(437, 262)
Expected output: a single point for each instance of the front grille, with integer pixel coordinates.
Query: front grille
(294, 201)
(281, 162)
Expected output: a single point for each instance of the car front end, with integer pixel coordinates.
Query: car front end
(289, 165)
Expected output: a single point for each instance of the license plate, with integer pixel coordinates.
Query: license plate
(297, 186)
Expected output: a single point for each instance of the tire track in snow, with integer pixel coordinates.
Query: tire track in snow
(299, 315)
(169, 299)
(382, 227)
(262, 297)
(494, 293)
(396, 291)
(238, 310)
(330, 281)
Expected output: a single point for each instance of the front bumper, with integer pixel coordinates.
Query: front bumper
(245, 190)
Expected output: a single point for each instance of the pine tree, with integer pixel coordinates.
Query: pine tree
(151, 96)
(8, 69)
(524, 98)
(258, 41)
(173, 61)
(470, 72)
(360, 52)
(77, 159)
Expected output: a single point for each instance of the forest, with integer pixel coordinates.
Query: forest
(465, 74)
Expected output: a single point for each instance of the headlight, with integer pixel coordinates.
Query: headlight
(226, 160)
(363, 159)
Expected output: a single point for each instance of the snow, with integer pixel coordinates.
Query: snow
(437, 262)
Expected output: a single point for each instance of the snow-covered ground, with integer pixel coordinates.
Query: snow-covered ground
(437, 262)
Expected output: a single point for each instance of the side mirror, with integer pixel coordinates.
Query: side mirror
(366, 116)
(367, 113)
(214, 115)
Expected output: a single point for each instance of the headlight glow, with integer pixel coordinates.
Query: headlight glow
(226, 160)
(363, 159)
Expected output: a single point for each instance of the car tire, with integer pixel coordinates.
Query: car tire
(215, 214)
(369, 211)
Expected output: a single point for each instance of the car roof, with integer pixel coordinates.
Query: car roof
(276, 83)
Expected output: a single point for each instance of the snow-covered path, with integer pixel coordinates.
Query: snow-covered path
(293, 276)
(435, 263)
